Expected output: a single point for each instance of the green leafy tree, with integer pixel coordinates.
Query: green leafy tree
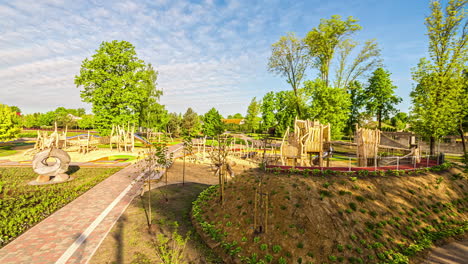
(328, 105)
(365, 61)
(356, 95)
(9, 123)
(278, 110)
(212, 124)
(31, 120)
(380, 95)
(154, 116)
(235, 116)
(289, 58)
(252, 119)
(86, 122)
(116, 83)
(322, 42)
(268, 109)
(400, 120)
(47, 119)
(286, 111)
(190, 123)
(437, 108)
(15, 109)
(63, 117)
(174, 125)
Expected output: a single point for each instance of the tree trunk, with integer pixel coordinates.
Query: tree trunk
(149, 200)
(379, 117)
(462, 134)
(432, 146)
(297, 103)
(183, 173)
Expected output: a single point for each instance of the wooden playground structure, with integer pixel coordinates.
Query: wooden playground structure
(308, 144)
(121, 139)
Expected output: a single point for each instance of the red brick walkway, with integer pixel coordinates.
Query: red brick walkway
(73, 233)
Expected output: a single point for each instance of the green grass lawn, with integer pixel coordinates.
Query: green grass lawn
(23, 205)
(6, 151)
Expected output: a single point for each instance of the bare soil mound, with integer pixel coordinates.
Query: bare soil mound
(298, 218)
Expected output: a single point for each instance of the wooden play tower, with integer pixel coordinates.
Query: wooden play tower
(306, 145)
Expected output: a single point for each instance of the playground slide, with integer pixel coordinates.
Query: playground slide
(142, 139)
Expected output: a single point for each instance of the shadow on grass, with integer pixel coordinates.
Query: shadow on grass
(177, 208)
(72, 169)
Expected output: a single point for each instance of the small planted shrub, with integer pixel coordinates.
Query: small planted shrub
(263, 247)
(332, 258)
(360, 198)
(276, 248)
(340, 247)
(300, 245)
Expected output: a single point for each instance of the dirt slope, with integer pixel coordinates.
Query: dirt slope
(311, 219)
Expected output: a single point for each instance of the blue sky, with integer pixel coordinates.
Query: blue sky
(208, 53)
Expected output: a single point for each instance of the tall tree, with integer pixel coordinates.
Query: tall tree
(154, 115)
(117, 83)
(380, 95)
(235, 116)
(400, 120)
(190, 123)
(252, 119)
(289, 58)
(356, 95)
(268, 109)
(212, 124)
(9, 123)
(367, 60)
(328, 105)
(322, 42)
(174, 124)
(437, 109)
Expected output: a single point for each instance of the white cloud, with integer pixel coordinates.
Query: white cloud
(207, 54)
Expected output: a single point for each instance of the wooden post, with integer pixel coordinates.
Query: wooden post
(183, 172)
(255, 210)
(266, 213)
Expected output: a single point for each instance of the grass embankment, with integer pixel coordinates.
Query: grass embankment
(23, 205)
(130, 240)
(384, 219)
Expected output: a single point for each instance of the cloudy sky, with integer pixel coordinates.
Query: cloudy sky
(208, 53)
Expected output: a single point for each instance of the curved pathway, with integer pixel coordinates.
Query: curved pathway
(73, 233)
(452, 253)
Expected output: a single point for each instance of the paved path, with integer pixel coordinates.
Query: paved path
(452, 253)
(73, 233)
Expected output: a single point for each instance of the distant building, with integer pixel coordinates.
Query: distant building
(74, 118)
(237, 121)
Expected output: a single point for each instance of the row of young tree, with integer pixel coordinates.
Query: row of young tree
(439, 99)
(339, 100)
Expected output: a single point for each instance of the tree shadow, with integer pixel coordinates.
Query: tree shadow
(81, 249)
(73, 169)
(118, 235)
